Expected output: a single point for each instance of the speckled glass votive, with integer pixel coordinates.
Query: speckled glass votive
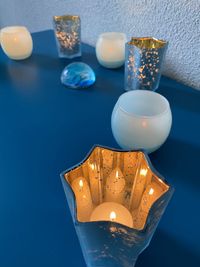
(67, 30)
(143, 63)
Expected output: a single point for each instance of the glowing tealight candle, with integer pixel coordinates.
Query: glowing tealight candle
(114, 212)
(16, 42)
(115, 185)
(110, 49)
(95, 183)
(83, 198)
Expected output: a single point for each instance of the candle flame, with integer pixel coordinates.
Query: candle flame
(117, 174)
(92, 166)
(113, 216)
(144, 124)
(151, 191)
(143, 172)
(81, 183)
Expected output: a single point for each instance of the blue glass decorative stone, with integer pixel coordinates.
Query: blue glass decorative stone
(78, 75)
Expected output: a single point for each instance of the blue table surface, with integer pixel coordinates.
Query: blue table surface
(46, 128)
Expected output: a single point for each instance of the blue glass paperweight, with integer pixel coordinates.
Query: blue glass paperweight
(78, 75)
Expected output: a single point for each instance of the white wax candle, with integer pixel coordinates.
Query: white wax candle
(115, 184)
(83, 198)
(110, 49)
(16, 42)
(110, 211)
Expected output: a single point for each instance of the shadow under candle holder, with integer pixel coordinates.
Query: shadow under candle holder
(145, 196)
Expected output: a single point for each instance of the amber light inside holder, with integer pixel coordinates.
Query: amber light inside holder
(121, 177)
(147, 42)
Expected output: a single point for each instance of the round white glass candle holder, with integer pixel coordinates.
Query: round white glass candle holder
(110, 49)
(141, 119)
(16, 42)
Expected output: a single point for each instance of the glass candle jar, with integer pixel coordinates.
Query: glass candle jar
(110, 49)
(67, 30)
(143, 65)
(141, 119)
(16, 42)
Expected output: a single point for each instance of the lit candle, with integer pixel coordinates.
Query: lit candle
(115, 185)
(150, 195)
(110, 49)
(16, 42)
(95, 183)
(143, 177)
(111, 211)
(83, 198)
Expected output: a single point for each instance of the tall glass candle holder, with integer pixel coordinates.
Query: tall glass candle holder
(113, 234)
(143, 63)
(67, 30)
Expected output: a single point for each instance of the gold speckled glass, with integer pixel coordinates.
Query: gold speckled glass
(143, 63)
(67, 30)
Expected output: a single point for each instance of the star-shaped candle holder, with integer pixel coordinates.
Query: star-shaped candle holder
(116, 199)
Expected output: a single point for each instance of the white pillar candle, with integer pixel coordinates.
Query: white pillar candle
(110, 211)
(110, 49)
(16, 42)
(83, 198)
(115, 185)
(95, 183)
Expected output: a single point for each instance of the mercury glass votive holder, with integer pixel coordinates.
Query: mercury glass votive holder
(67, 30)
(136, 190)
(143, 63)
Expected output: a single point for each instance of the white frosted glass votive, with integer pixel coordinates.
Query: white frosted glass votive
(110, 49)
(141, 119)
(16, 42)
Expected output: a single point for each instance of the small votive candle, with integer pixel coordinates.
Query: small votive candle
(110, 49)
(16, 42)
(114, 212)
(83, 198)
